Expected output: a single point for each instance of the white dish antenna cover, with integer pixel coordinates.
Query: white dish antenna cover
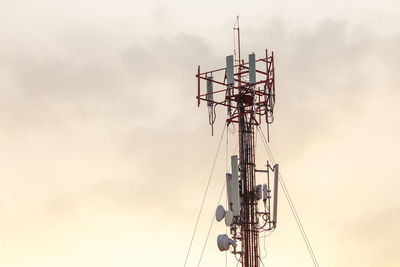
(228, 218)
(224, 242)
(220, 213)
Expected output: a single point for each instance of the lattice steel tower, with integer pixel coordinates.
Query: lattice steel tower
(247, 89)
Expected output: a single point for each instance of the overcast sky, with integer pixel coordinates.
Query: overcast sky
(105, 156)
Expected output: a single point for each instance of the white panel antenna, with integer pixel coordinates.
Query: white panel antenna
(276, 181)
(229, 71)
(210, 102)
(210, 90)
(235, 186)
(229, 190)
(252, 69)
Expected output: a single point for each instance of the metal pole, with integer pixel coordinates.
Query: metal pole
(248, 225)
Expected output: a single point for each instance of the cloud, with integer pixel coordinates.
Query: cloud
(376, 237)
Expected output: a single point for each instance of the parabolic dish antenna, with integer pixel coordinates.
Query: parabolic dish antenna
(220, 213)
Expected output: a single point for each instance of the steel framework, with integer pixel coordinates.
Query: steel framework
(247, 103)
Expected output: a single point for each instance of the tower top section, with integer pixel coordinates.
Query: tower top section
(246, 88)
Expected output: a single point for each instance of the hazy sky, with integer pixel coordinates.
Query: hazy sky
(105, 156)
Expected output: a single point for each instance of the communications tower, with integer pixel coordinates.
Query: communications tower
(247, 90)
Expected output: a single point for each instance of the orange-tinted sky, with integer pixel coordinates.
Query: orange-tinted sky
(105, 156)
